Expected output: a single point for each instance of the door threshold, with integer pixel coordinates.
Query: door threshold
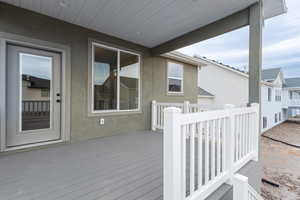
(28, 146)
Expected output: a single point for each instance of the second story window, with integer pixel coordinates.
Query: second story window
(291, 95)
(175, 78)
(269, 94)
(278, 95)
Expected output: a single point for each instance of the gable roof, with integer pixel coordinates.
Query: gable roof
(202, 92)
(292, 82)
(270, 74)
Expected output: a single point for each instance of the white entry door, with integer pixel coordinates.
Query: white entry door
(32, 96)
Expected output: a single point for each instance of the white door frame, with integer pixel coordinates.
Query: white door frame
(6, 38)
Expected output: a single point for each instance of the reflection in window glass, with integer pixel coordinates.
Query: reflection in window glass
(175, 77)
(175, 70)
(129, 81)
(105, 78)
(174, 85)
(36, 76)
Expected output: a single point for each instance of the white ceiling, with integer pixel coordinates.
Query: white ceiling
(146, 22)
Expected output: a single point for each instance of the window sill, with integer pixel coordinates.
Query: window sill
(114, 113)
(175, 93)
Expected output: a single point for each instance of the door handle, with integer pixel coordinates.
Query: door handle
(57, 100)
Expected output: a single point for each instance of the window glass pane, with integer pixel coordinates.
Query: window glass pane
(36, 77)
(105, 79)
(175, 70)
(129, 81)
(175, 85)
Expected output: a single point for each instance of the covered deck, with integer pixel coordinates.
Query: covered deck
(127, 166)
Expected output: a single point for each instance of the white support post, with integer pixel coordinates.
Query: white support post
(186, 106)
(240, 187)
(229, 137)
(172, 168)
(256, 131)
(153, 115)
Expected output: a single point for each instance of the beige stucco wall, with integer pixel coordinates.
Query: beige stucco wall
(153, 72)
(227, 86)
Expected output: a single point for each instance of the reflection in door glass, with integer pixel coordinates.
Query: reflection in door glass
(35, 91)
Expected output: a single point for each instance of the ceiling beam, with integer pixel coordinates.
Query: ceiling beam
(227, 24)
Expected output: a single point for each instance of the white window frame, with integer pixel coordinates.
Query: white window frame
(91, 74)
(176, 78)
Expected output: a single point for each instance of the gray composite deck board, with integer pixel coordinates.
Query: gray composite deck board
(121, 167)
(127, 166)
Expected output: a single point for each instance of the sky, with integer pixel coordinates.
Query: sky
(281, 44)
(37, 66)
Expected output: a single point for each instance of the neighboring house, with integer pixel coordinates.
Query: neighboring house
(292, 96)
(35, 89)
(273, 113)
(226, 84)
(107, 61)
(278, 95)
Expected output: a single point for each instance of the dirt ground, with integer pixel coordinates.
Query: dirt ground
(281, 162)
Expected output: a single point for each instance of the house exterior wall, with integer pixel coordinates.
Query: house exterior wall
(232, 91)
(270, 108)
(153, 72)
(205, 100)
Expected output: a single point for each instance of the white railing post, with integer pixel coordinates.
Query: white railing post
(153, 115)
(186, 107)
(229, 141)
(256, 131)
(240, 187)
(172, 168)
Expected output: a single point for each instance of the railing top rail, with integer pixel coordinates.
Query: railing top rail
(188, 118)
(169, 104)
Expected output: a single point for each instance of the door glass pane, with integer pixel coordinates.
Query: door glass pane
(129, 81)
(35, 91)
(105, 78)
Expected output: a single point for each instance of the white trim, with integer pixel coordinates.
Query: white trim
(91, 111)
(177, 56)
(2, 96)
(205, 96)
(33, 145)
(176, 78)
(65, 84)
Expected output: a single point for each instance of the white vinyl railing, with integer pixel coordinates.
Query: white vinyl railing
(203, 150)
(157, 113)
(242, 190)
(294, 102)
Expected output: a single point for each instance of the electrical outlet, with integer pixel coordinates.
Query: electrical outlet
(101, 121)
